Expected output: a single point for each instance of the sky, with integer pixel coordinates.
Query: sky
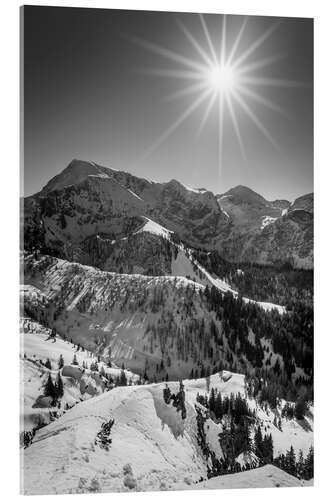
(96, 87)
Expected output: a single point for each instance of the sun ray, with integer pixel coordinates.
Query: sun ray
(221, 95)
(261, 63)
(256, 44)
(186, 91)
(236, 126)
(171, 73)
(256, 120)
(176, 124)
(223, 40)
(208, 38)
(167, 53)
(207, 113)
(237, 42)
(221, 124)
(194, 42)
(259, 98)
(273, 82)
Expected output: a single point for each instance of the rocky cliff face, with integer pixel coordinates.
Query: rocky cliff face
(83, 211)
(304, 202)
(267, 232)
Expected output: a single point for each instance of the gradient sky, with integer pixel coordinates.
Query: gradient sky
(86, 97)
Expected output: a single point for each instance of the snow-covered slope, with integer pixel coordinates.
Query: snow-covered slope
(156, 324)
(100, 310)
(152, 448)
(186, 265)
(267, 476)
(154, 228)
(36, 348)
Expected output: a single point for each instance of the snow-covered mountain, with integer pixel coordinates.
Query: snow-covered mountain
(267, 232)
(86, 200)
(89, 206)
(148, 445)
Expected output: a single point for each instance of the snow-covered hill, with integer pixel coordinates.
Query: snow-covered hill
(152, 447)
(79, 384)
(158, 325)
(267, 476)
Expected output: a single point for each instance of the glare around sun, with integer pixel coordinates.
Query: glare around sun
(222, 78)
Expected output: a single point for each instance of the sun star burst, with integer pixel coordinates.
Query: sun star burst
(219, 77)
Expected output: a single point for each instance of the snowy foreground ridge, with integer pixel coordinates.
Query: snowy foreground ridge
(267, 476)
(151, 448)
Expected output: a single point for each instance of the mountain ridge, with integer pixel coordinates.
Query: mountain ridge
(77, 164)
(87, 199)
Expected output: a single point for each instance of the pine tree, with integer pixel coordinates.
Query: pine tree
(300, 465)
(211, 400)
(59, 386)
(291, 461)
(94, 366)
(179, 400)
(123, 379)
(75, 361)
(60, 362)
(48, 364)
(267, 449)
(167, 394)
(300, 408)
(218, 406)
(280, 424)
(49, 388)
(258, 443)
(308, 464)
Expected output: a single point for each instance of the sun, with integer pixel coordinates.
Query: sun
(222, 78)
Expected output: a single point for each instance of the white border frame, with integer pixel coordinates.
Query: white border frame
(9, 395)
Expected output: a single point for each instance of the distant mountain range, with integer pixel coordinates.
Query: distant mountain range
(86, 212)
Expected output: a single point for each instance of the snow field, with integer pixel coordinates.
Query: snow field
(152, 447)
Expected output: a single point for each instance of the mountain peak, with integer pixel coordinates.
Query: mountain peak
(244, 194)
(76, 172)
